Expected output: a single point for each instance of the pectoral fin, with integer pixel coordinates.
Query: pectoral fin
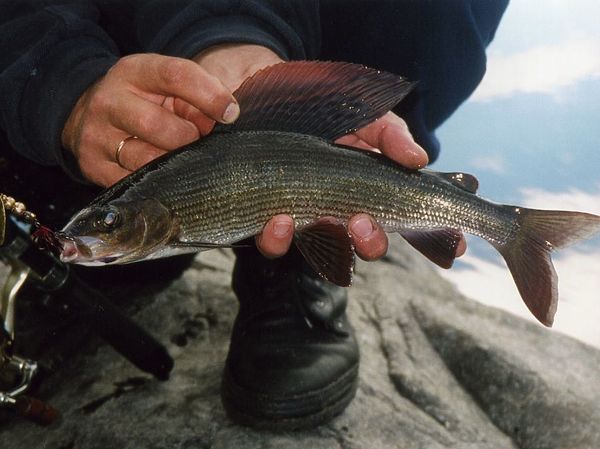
(207, 245)
(327, 247)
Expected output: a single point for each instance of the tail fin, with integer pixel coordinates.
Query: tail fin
(528, 254)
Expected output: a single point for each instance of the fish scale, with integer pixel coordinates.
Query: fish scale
(229, 184)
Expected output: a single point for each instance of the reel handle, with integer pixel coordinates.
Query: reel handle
(35, 410)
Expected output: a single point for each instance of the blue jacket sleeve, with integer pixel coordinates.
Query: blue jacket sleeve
(48, 57)
(440, 44)
(57, 50)
(289, 28)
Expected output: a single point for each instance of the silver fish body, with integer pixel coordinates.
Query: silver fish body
(223, 189)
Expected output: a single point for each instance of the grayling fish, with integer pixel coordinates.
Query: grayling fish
(278, 158)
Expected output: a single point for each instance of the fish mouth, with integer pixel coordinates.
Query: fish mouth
(80, 250)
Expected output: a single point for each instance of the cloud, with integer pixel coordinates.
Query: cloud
(579, 306)
(570, 199)
(546, 69)
(579, 283)
(488, 282)
(578, 270)
(494, 163)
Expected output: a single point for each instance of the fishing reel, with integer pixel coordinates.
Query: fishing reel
(46, 279)
(16, 376)
(17, 373)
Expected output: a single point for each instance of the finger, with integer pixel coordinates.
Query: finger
(194, 115)
(352, 140)
(136, 153)
(276, 237)
(185, 79)
(103, 173)
(112, 174)
(461, 248)
(391, 135)
(370, 241)
(151, 122)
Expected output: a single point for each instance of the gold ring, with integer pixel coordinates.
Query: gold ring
(120, 146)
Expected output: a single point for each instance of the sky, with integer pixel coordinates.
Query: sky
(530, 134)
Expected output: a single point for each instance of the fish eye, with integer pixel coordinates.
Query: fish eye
(111, 218)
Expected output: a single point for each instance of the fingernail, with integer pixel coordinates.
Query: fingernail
(363, 227)
(420, 158)
(281, 228)
(420, 148)
(231, 113)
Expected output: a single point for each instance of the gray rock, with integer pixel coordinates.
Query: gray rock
(438, 371)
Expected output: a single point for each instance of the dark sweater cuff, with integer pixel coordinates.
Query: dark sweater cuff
(225, 30)
(50, 95)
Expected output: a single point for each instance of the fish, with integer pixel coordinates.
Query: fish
(279, 157)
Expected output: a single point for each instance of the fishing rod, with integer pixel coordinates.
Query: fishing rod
(32, 267)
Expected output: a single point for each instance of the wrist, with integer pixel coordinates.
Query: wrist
(70, 131)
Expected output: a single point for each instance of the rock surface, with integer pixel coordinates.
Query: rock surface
(438, 371)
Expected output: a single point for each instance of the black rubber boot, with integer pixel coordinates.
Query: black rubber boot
(293, 359)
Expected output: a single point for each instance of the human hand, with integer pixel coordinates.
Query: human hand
(389, 135)
(167, 102)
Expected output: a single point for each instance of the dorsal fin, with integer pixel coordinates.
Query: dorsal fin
(463, 180)
(323, 99)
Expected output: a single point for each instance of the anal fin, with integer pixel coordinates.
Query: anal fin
(439, 246)
(327, 248)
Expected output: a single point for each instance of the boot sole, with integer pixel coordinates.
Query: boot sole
(294, 412)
